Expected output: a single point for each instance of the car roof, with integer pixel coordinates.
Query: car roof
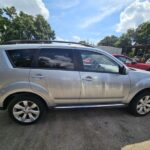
(23, 44)
(33, 44)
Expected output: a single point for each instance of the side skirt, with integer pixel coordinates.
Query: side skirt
(90, 106)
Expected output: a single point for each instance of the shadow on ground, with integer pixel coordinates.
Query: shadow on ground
(80, 129)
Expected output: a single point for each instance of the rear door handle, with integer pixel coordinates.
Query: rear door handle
(88, 78)
(38, 76)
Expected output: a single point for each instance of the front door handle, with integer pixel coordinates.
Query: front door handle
(38, 76)
(88, 78)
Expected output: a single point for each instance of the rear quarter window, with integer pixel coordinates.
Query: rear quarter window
(21, 58)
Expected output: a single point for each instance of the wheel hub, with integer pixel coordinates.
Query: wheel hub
(143, 107)
(26, 111)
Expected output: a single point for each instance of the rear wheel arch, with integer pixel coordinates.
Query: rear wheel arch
(9, 98)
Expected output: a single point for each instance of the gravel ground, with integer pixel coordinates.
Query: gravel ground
(80, 129)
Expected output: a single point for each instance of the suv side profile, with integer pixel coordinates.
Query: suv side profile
(35, 76)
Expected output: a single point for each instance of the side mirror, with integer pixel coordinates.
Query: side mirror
(122, 70)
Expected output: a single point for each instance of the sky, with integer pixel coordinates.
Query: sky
(89, 20)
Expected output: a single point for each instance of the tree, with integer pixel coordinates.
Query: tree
(23, 26)
(126, 39)
(4, 22)
(123, 41)
(140, 35)
(143, 33)
(108, 41)
(10, 12)
(43, 29)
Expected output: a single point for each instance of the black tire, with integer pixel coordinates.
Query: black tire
(136, 100)
(20, 98)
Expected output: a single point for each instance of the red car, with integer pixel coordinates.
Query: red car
(130, 63)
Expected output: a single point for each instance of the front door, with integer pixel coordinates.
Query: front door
(100, 78)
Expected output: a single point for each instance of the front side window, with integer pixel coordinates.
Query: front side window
(98, 63)
(21, 58)
(56, 59)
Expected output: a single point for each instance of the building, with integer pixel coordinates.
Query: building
(111, 50)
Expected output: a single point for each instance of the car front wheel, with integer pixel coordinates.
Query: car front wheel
(140, 105)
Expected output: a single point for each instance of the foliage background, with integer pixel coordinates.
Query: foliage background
(21, 26)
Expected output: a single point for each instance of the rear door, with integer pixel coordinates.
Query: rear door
(56, 71)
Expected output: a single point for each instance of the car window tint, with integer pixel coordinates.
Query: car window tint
(97, 62)
(56, 59)
(21, 58)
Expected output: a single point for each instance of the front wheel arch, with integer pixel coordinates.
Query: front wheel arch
(144, 90)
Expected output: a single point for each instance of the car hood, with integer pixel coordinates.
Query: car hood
(138, 70)
(138, 74)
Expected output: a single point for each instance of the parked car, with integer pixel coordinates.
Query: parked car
(132, 63)
(36, 75)
(148, 61)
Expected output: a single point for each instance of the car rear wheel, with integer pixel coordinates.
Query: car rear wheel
(26, 109)
(140, 105)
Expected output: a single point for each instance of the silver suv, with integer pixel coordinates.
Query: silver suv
(38, 75)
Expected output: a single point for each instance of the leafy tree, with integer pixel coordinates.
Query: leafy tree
(23, 26)
(143, 33)
(10, 12)
(4, 22)
(126, 39)
(43, 29)
(108, 41)
(123, 41)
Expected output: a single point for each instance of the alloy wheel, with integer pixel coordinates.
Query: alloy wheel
(26, 111)
(143, 106)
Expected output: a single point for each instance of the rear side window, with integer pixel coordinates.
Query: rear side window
(56, 59)
(21, 58)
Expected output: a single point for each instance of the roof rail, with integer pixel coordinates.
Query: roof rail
(44, 42)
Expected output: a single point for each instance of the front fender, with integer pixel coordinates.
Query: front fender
(139, 86)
